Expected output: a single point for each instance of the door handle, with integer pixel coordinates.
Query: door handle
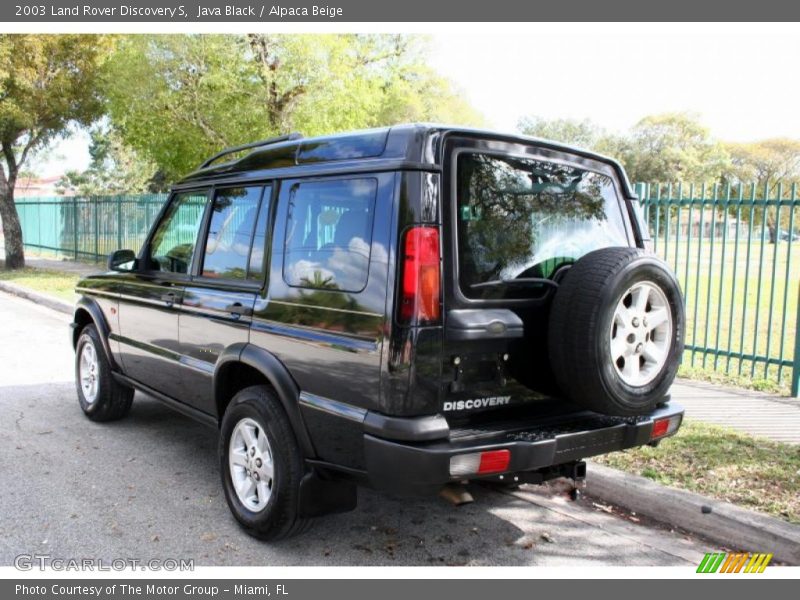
(237, 310)
(168, 298)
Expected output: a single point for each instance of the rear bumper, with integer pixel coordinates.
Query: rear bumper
(418, 468)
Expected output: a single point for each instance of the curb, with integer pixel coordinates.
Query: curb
(721, 522)
(41, 299)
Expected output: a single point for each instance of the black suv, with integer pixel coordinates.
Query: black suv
(402, 308)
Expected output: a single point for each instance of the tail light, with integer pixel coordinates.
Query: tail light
(421, 279)
(480, 463)
(664, 427)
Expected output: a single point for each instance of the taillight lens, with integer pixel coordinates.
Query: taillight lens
(480, 463)
(421, 281)
(665, 427)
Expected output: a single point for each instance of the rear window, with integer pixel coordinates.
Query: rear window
(525, 218)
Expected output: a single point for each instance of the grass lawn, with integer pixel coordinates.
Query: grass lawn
(715, 461)
(739, 301)
(55, 283)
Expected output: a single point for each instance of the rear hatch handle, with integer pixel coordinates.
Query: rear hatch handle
(483, 324)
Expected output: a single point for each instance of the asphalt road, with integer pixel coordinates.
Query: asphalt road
(148, 487)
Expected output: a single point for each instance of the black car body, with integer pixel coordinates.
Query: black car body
(344, 286)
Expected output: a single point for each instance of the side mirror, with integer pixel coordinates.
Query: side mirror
(122, 260)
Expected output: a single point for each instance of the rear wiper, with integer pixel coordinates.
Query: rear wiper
(519, 281)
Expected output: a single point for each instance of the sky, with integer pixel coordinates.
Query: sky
(743, 85)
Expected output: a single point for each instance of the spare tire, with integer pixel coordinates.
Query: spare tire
(616, 331)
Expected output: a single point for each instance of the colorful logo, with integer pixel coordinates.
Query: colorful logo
(734, 562)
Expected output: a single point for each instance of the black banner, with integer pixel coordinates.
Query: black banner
(256, 11)
(396, 589)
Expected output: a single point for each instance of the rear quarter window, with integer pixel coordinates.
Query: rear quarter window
(329, 234)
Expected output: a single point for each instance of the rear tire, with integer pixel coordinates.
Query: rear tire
(261, 465)
(101, 397)
(605, 354)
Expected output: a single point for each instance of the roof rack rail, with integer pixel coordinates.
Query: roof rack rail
(274, 140)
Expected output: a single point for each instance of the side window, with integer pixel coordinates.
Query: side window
(329, 234)
(172, 246)
(230, 232)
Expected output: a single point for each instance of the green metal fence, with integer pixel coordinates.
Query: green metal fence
(735, 249)
(87, 228)
(736, 252)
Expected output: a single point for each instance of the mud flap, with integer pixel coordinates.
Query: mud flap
(320, 496)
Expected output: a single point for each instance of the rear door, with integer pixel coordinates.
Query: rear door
(150, 298)
(218, 301)
(516, 217)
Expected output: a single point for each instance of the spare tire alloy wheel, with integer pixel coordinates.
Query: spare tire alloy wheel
(250, 464)
(641, 333)
(616, 330)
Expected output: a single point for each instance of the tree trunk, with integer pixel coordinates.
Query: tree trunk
(12, 230)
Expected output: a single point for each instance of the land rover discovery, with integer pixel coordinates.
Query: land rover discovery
(401, 308)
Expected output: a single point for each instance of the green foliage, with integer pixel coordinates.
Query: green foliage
(115, 168)
(177, 99)
(765, 161)
(584, 134)
(673, 147)
(51, 283)
(659, 148)
(47, 82)
(723, 463)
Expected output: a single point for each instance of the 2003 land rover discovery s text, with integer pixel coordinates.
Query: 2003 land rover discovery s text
(401, 308)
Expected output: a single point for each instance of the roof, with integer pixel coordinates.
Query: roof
(27, 187)
(413, 145)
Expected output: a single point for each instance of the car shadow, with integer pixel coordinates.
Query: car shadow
(148, 486)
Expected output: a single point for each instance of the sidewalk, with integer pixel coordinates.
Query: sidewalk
(67, 266)
(54, 264)
(756, 413)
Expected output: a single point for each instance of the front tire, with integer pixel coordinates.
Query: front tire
(261, 465)
(100, 396)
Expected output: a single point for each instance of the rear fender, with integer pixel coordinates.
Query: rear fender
(278, 376)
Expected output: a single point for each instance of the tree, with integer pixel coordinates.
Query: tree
(672, 147)
(47, 82)
(659, 148)
(765, 162)
(583, 133)
(115, 168)
(177, 99)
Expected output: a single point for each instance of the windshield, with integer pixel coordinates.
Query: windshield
(525, 218)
